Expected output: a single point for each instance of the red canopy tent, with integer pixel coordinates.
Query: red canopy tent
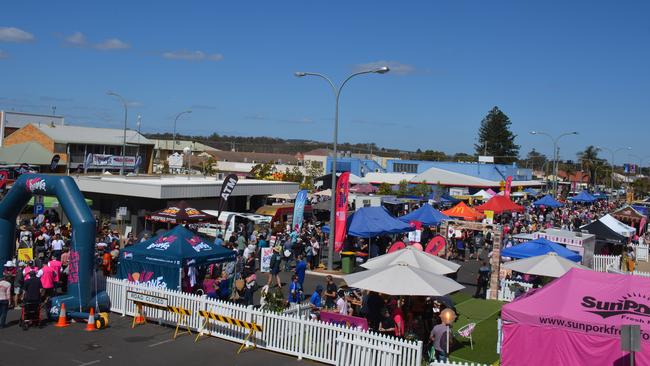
(464, 212)
(500, 204)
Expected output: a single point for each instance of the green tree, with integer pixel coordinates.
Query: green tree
(385, 189)
(403, 188)
(431, 155)
(209, 166)
(293, 175)
(421, 189)
(262, 170)
(590, 161)
(534, 159)
(496, 139)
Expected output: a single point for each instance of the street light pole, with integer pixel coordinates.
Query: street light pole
(123, 172)
(556, 153)
(337, 95)
(176, 119)
(611, 163)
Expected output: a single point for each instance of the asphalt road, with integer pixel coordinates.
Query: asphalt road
(148, 344)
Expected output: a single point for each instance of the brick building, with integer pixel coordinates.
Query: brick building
(74, 144)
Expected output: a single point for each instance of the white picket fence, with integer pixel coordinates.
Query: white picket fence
(284, 333)
(356, 352)
(454, 363)
(641, 252)
(298, 310)
(506, 293)
(603, 262)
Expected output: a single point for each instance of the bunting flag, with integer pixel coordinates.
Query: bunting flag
(342, 190)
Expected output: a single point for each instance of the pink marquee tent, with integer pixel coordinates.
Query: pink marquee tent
(576, 320)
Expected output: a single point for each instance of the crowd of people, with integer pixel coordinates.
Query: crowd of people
(294, 251)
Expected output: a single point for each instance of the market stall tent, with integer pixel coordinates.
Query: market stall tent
(619, 227)
(604, 233)
(158, 261)
(482, 195)
(464, 212)
(426, 214)
(548, 201)
(538, 247)
(500, 204)
(583, 197)
(631, 216)
(368, 222)
(575, 320)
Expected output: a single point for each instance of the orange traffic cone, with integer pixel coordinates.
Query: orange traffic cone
(91, 321)
(139, 318)
(63, 321)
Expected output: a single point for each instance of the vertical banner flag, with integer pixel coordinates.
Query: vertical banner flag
(88, 162)
(55, 162)
(341, 196)
(508, 186)
(227, 187)
(299, 210)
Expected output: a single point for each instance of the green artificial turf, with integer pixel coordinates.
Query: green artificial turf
(485, 314)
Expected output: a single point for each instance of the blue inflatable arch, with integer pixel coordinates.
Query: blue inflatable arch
(80, 270)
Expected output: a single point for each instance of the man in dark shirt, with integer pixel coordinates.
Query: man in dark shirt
(32, 289)
(330, 293)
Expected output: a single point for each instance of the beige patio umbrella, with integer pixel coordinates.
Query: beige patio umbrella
(549, 264)
(402, 279)
(415, 258)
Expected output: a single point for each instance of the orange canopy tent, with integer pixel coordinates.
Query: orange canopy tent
(500, 204)
(464, 212)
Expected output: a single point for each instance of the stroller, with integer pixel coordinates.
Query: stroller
(30, 315)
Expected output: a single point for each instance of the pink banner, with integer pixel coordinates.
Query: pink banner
(342, 190)
(345, 320)
(508, 186)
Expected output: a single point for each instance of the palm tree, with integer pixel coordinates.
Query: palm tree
(589, 160)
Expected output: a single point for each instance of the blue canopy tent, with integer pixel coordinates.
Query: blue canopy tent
(548, 201)
(159, 261)
(369, 222)
(600, 196)
(531, 191)
(426, 214)
(537, 247)
(583, 197)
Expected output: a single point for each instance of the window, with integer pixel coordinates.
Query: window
(405, 168)
(60, 148)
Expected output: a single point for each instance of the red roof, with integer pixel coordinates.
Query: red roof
(500, 204)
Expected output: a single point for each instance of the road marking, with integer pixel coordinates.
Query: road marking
(161, 342)
(90, 363)
(19, 345)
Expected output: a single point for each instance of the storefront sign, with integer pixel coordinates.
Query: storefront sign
(345, 320)
(147, 299)
(111, 161)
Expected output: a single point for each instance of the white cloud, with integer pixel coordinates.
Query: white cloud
(192, 56)
(112, 44)
(11, 34)
(396, 67)
(77, 39)
(3, 55)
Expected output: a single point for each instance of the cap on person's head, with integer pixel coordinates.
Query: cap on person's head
(10, 264)
(31, 263)
(319, 288)
(21, 264)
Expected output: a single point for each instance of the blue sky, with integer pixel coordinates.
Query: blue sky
(554, 66)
